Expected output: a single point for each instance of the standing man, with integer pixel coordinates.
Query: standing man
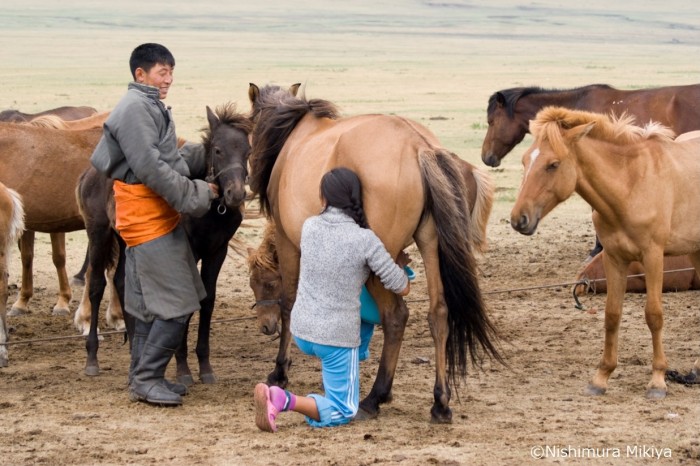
(152, 187)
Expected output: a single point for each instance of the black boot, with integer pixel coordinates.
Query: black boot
(149, 374)
(141, 331)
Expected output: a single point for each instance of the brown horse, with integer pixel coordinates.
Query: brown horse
(412, 191)
(510, 110)
(65, 113)
(644, 188)
(679, 275)
(11, 227)
(43, 165)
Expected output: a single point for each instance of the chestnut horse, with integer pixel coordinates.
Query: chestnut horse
(65, 113)
(227, 149)
(43, 165)
(11, 227)
(644, 188)
(412, 191)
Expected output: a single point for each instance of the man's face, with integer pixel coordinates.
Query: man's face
(160, 76)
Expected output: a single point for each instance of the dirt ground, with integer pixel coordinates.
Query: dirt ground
(441, 73)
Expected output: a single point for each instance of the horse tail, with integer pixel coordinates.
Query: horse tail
(17, 219)
(470, 329)
(482, 208)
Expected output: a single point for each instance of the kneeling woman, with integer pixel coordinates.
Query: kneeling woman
(338, 251)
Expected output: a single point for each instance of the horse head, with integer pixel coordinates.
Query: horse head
(266, 283)
(228, 148)
(505, 130)
(551, 169)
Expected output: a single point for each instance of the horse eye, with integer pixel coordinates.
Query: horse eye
(553, 166)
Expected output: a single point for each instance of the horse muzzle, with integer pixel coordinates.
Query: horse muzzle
(523, 223)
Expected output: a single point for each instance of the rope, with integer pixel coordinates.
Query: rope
(578, 305)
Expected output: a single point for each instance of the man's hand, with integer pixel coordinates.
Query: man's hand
(214, 189)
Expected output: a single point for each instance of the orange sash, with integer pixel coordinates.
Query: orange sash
(142, 215)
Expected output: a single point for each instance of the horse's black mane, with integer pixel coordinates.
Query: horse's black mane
(275, 114)
(511, 96)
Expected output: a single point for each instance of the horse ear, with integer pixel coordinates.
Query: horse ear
(577, 132)
(253, 93)
(213, 119)
(500, 99)
(294, 88)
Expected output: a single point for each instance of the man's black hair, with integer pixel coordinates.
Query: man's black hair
(146, 56)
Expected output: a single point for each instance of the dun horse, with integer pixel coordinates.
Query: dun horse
(644, 188)
(11, 227)
(29, 161)
(227, 148)
(413, 192)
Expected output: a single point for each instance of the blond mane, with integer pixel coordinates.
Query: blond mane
(48, 121)
(550, 121)
(266, 255)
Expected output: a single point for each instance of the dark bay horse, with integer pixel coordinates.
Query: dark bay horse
(509, 111)
(644, 188)
(11, 228)
(227, 148)
(43, 165)
(413, 191)
(65, 113)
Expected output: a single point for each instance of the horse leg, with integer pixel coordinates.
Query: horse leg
(81, 320)
(26, 291)
(183, 373)
(616, 274)
(394, 318)
(289, 270)
(4, 358)
(695, 260)
(210, 273)
(58, 248)
(654, 314)
(115, 312)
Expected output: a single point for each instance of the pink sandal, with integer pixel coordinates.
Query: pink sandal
(265, 411)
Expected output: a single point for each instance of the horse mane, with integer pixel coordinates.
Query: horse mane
(265, 256)
(276, 113)
(48, 121)
(620, 130)
(228, 115)
(511, 96)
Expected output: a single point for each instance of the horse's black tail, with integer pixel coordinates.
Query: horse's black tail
(470, 329)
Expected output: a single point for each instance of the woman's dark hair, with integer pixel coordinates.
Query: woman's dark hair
(341, 188)
(146, 56)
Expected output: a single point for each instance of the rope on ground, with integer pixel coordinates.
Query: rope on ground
(585, 281)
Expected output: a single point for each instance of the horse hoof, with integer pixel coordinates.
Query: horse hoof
(440, 415)
(363, 415)
(4, 362)
(92, 371)
(17, 311)
(208, 378)
(592, 390)
(656, 393)
(186, 380)
(60, 311)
